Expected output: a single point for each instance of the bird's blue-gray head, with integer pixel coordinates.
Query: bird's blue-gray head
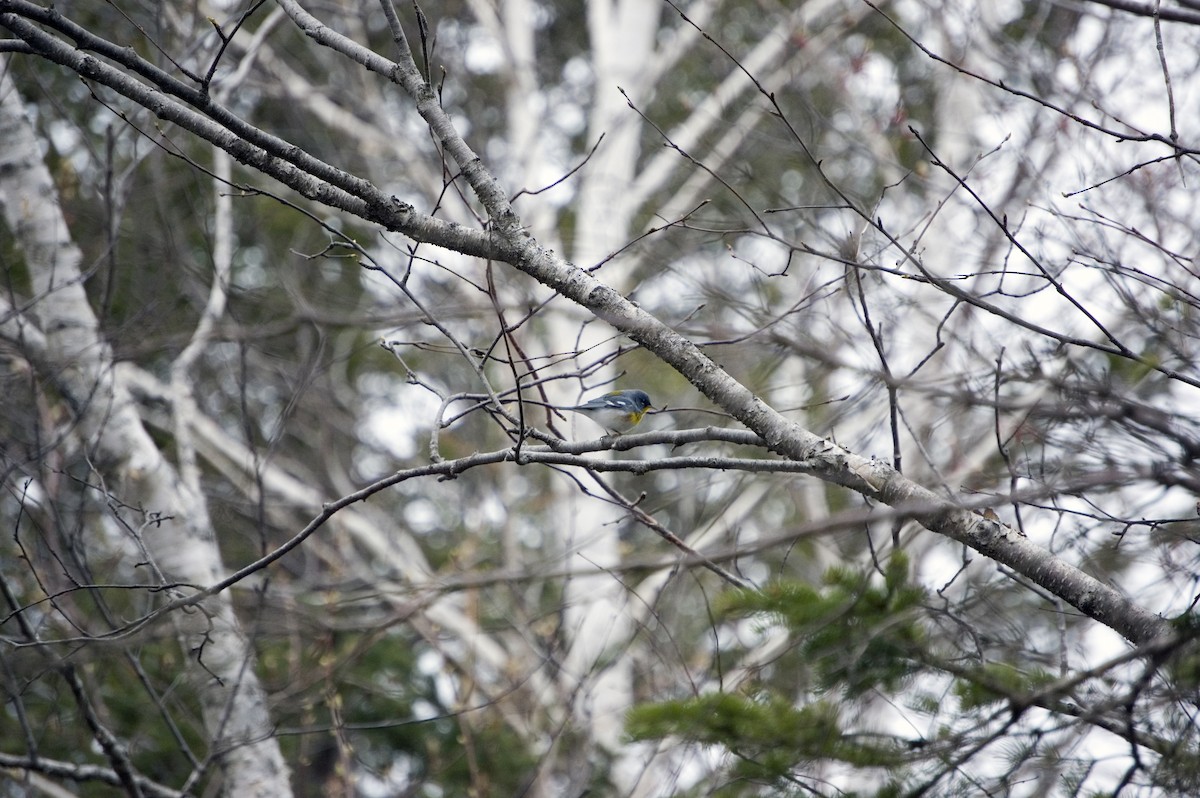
(641, 399)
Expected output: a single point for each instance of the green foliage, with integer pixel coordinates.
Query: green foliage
(770, 736)
(1180, 771)
(359, 692)
(1184, 665)
(857, 633)
(120, 688)
(996, 682)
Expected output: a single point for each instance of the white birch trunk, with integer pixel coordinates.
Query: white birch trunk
(182, 542)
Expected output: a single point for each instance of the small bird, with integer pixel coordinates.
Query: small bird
(617, 412)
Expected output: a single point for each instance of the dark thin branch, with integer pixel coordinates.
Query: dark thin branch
(999, 84)
(1150, 10)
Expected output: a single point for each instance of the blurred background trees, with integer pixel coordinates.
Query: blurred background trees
(959, 238)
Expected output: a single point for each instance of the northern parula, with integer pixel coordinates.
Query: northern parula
(617, 412)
